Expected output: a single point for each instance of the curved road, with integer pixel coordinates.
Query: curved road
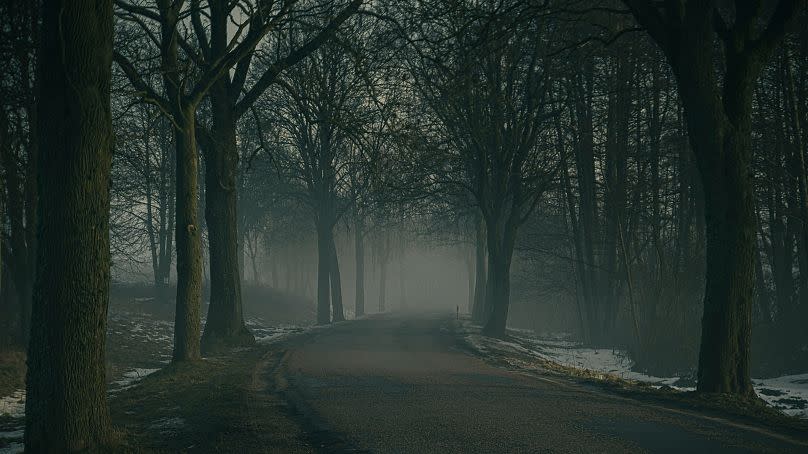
(396, 384)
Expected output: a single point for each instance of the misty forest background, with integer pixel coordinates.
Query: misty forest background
(526, 161)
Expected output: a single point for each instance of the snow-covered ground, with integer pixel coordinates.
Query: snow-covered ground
(789, 394)
(264, 333)
(130, 378)
(13, 406)
(12, 410)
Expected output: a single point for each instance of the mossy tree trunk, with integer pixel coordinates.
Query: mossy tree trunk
(225, 322)
(187, 318)
(66, 405)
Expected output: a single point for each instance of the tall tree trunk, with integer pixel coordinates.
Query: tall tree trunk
(798, 168)
(187, 231)
(66, 407)
(577, 239)
(275, 271)
(189, 243)
(498, 288)
(225, 326)
(685, 213)
(31, 190)
(402, 283)
(763, 297)
(240, 253)
(2, 219)
(337, 311)
(324, 240)
(359, 244)
(288, 286)
(654, 147)
(168, 210)
(720, 134)
(253, 246)
(20, 270)
(616, 192)
(500, 239)
(383, 258)
(719, 116)
(781, 236)
(583, 91)
(481, 272)
(469, 258)
(727, 321)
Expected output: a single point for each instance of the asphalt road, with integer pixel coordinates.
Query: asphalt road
(403, 384)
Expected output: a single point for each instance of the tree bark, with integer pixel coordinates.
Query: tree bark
(616, 192)
(498, 287)
(383, 258)
(324, 240)
(359, 244)
(686, 195)
(20, 269)
(480, 270)
(66, 405)
(588, 210)
(798, 168)
(469, 259)
(579, 264)
(167, 214)
(189, 243)
(719, 124)
(337, 311)
(729, 295)
(31, 189)
(225, 326)
(501, 235)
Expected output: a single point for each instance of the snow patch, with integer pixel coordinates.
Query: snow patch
(268, 334)
(130, 379)
(788, 394)
(13, 405)
(13, 435)
(11, 440)
(13, 448)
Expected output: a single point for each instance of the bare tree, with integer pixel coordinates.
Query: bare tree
(719, 124)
